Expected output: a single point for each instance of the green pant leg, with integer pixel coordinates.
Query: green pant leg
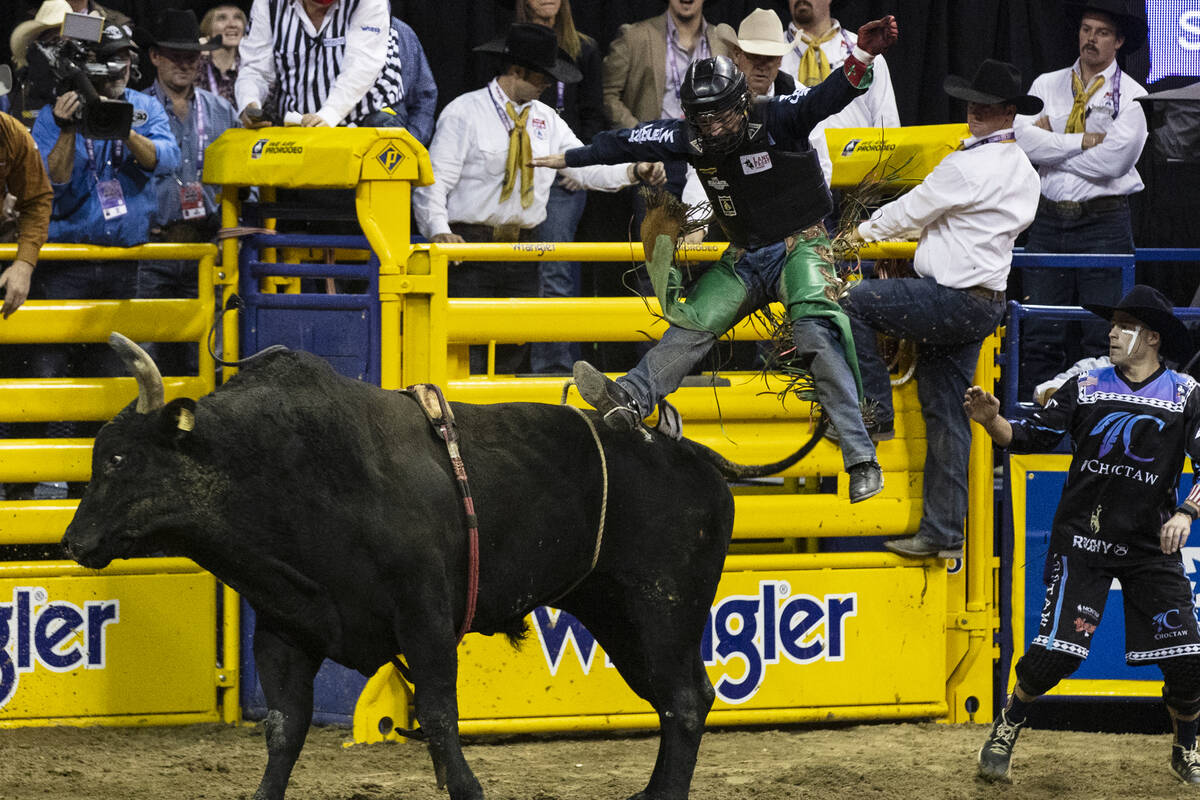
(715, 301)
(802, 290)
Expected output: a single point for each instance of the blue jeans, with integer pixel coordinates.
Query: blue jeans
(558, 278)
(818, 347)
(948, 326)
(1045, 343)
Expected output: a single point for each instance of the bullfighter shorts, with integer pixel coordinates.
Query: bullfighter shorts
(1160, 620)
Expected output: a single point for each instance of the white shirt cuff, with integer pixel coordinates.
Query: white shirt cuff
(862, 55)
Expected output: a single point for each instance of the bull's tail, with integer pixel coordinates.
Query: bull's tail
(740, 472)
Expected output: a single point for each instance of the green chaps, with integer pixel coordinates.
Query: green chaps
(718, 299)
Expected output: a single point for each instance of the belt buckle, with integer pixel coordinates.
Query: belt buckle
(506, 233)
(1069, 209)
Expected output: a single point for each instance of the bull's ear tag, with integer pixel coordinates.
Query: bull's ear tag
(185, 420)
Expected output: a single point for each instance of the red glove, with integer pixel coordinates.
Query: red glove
(876, 37)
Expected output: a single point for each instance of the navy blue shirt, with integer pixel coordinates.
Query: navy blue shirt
(1128, 442)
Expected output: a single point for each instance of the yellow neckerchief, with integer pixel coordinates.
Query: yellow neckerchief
(1075, 120)
(814, 67)
(520, 151)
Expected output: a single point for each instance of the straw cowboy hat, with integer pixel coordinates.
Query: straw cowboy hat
(1148, 306)
(533, 47)
(49, 15)
(994, 82)
(760, 34)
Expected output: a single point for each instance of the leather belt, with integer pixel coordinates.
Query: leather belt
(492, 233)
(991, 295)
(1069, 209)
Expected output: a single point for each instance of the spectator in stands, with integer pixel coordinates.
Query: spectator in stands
(758, 49)
(34, 82)
(820, 44)
(1085, 145)
(485, 189)
(969, 211)
(644, 70)
(1119, 518)
(337, 62)
(219, 67)
(187, 209)
(419, 105)
(581, 106)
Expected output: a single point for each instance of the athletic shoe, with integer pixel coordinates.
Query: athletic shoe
(1185, 763)
(995, 757)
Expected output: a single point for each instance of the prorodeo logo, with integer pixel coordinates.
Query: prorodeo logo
(751, 631)
(390, 157)
(257, 150)
(57, 635)
(867, 146)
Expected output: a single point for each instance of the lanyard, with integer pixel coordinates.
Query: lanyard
(1116, 90)
(116, 157)
(201, 136)
(673, 62)
(497, 96)
(1002, 136)
(561, 107)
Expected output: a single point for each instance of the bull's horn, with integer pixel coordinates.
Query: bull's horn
(143, 368)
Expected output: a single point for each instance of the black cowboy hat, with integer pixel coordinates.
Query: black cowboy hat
(177, 29)
(1130, 19)
(1148, 306)
(994, 82)
(534, 47)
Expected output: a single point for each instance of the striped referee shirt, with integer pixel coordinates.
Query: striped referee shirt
(343, 72)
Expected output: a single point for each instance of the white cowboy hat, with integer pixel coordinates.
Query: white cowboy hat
(761, 34)
(49, 15)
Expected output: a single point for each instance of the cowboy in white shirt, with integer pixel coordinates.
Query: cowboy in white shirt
(486, 190)
(820, 45)
(1085, 144)
(968, 212)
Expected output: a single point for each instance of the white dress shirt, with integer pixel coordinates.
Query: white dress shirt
(469, 151)
(874, 109)
(968, 211)
(1068, 171)
(366, 41)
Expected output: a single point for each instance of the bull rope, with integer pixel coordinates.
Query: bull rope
(603, 506)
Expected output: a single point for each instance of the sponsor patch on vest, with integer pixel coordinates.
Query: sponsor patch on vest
(755, 162)
(720, 184)
(727, 205)
(651, 133)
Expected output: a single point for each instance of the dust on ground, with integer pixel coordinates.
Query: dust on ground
(928, 761)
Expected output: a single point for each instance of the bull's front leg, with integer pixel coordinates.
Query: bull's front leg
(286, 674)
(433, 665)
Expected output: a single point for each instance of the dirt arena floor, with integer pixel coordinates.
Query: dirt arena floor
(878, 762)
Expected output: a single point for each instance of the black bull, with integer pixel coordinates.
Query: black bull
(331, 506)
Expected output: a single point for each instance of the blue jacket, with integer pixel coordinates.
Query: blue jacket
(420, 91)
(77, 216)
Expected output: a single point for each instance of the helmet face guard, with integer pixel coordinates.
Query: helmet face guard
(715, 100)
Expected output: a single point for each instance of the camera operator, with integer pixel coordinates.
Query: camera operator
(104, 194)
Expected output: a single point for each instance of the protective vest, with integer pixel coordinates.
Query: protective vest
(762, 193)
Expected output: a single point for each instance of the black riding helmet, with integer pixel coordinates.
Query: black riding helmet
(711, 87)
